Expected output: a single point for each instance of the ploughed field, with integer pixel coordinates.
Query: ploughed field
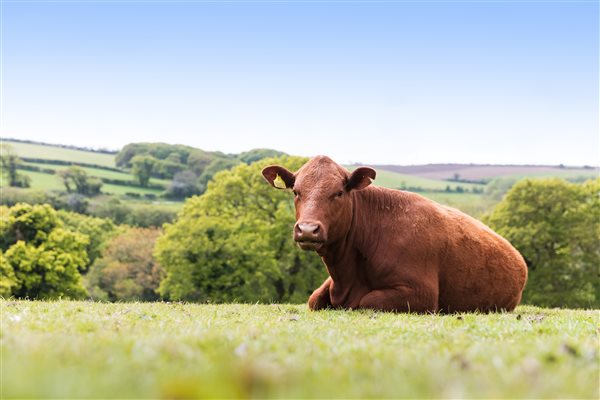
(172, 350)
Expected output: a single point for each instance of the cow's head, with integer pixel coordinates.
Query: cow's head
(323, 198)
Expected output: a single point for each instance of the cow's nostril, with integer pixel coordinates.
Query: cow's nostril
(307, 229)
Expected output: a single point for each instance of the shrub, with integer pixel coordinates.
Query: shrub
(127, 270)
(556, 227)
(40, 257)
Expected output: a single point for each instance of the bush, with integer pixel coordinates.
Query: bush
(40, 257)
(98, 230)
(127, 270)
(556, 227)
(234, 243)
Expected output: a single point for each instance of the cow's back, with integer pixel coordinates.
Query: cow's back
(476, 268)
(480, 270)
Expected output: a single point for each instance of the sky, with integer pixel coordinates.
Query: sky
(377, 82)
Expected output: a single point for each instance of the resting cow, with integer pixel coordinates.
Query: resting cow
(393, 250)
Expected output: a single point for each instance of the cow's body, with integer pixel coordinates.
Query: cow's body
(398, 251)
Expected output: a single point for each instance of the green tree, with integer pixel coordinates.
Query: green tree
(43, 257)
(10, 162)
(218, 164)
(77, 180)
(98, 231)
(555, 226)
(142, 168)
(234, 243)
(127, 270)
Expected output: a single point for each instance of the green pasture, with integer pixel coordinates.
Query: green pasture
(394, 180)
(100, 173)
(29, 150)
(44, 181)
(174, 351)
(474, 204)
(579, 174)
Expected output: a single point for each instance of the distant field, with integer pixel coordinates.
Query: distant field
(101, 173)
(29, 150)
(66, 349)
(394, 180)
(486, 172)
(43, 181)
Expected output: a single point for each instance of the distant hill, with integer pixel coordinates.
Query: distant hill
(484, 173)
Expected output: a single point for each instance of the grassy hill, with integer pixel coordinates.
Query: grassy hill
(48, 152)
(474, 172)
(55, 156)
(174, 351)
(395, 180)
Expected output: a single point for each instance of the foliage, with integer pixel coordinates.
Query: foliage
(556, 227)
(134, 215)
(142, 168)
(254, 155)
(44, 256)
(7, 277)
(9, 161)
(498, 187)
(77, 180)
(98, 230)
(234, 243)
(159, 151)
(217, 165)
(127, 270)
(61, 350)
(184, 184)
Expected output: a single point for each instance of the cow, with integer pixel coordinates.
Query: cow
(393, 250)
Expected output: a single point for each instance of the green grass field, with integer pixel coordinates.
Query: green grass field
(101, 173)
(395, 180)
(44, 181)
(175, 351)
(29, 150)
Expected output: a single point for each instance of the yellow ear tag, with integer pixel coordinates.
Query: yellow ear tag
(278, 182)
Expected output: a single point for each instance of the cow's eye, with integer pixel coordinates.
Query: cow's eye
(339, 194)
(295, 193)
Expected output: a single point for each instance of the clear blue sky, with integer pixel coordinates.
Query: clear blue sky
(373, 82)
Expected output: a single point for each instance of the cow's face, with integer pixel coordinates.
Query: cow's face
(323, 198)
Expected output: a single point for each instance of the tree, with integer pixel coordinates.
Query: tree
(556, 227)
(234, 243)
(77, 180)
(10, 162)
(184, 184)
(127, 270)
(218, 164)
(40, 258)
(254, 155)
(142, 168)
(98, 231)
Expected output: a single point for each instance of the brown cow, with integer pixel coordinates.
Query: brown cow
(396, 251)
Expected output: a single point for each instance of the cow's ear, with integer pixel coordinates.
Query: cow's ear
(360, 178)
(279, 177)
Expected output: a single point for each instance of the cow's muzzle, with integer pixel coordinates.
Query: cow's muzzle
(309, 235)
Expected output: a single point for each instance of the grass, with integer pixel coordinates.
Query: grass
(100, 173)
(394, 180)
(29, 150)
(44, 181)
(172, 350)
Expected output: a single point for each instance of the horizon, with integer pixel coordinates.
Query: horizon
(398, 83)
(116, 151)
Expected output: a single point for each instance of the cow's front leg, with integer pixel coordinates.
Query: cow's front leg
(401, 299)
(320, 298)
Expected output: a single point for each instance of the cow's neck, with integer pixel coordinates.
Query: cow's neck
(346, 259)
